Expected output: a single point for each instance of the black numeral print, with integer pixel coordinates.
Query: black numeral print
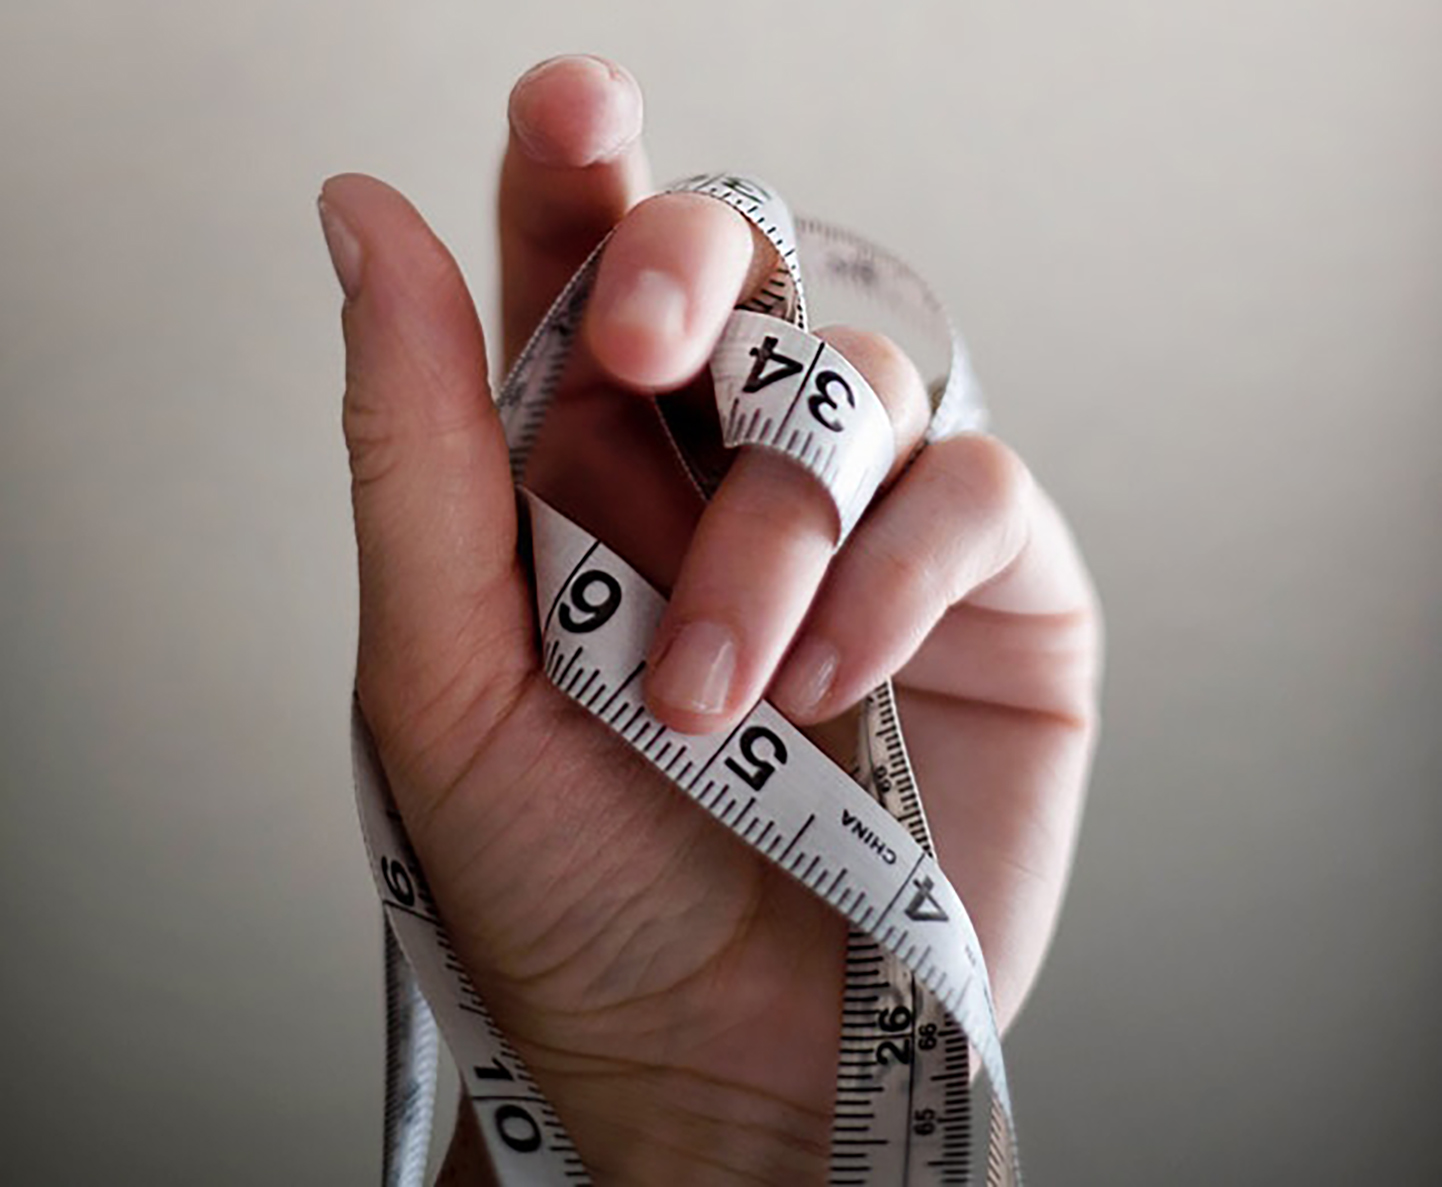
(762, 766)
(518, 1129)
(782, 366)
(398, 881)
(823, 404)
(585, 609)
(900, 1053)
(923, 906)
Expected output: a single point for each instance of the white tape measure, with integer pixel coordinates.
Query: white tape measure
(917, 1003)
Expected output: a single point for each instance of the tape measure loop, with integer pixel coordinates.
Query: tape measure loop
(780, 388)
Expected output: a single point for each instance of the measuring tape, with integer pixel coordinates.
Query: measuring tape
(917, 1006)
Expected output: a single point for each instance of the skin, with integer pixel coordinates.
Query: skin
(676, 997)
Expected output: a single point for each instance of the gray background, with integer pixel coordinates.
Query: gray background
(1196, 249)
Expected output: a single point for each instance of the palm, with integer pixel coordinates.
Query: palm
(632, 949)
(630, 946)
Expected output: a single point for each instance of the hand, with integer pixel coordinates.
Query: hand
(676, 997)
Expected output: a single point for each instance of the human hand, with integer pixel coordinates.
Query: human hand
(676, 996)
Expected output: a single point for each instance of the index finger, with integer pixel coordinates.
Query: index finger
(574, 165)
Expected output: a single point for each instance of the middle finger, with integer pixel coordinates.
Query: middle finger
(758, 555)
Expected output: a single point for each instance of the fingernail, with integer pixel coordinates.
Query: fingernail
(696, 668)
(809, 674)
(652, 301)
(571, 127)
(346, 255)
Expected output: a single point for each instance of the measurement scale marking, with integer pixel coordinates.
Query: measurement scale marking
(805, 379)
(800, 832)
(580, 564)
(620, 688)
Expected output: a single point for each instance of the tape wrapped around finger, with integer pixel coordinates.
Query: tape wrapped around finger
(780, 388)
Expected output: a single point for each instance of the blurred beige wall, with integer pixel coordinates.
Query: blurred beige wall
(1197, 250)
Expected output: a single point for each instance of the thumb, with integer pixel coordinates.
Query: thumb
(445, 624)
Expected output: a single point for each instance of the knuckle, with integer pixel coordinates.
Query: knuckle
(892, 374)
(774, 494)
(901, 573)
(808, 523)
(369, 436)
(991, 485)
(868, 350)
(990, 478)
(383, 440)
